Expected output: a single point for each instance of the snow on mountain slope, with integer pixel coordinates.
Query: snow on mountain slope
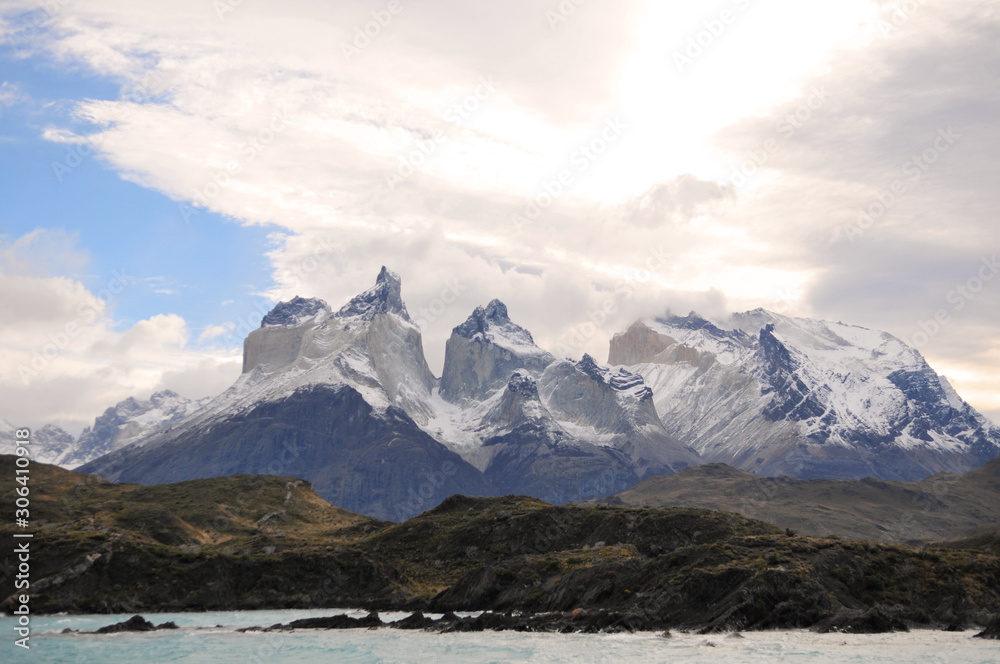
(370, 344)
(128, 422)
(345, 399)
(489, 359)
(484, 351)
(782, 395)
(119, 426)
(487, 410)
(48, 443)
(612, 408)
(335, 398)
(530, 452)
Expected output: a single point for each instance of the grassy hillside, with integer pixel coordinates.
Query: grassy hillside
(941, 507)
(256, 541)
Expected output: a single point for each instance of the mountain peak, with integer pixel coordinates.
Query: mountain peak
(496, 312)
(387, 276)
(523, 384)
(294, 312)
(492, 323)
(484, 350)
(482, 319)
(589, 366)
(383, 298)
(620, 379)
(693, 321)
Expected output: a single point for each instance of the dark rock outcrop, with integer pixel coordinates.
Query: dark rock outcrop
(133, 624)
(372, 620)
(992, 630)
(294, 311)
(876, 620)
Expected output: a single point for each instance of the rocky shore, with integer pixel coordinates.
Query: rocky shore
(877, 620)
(253, 542)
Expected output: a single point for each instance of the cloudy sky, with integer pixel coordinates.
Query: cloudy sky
(168, 170)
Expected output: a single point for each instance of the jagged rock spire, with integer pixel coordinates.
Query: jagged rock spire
(482, 319)
(382, 298)
(620, 379)
(294, 311)
(483, 352)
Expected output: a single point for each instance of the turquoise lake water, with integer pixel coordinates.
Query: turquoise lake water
(212, 637)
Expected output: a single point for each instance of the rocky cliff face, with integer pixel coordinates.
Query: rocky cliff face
(804, 398)
(484, 351)
(613, 407)
(369, 343)
(532, 453)
(379, 464)
(286, 331)
(126, 423)
(501, 418)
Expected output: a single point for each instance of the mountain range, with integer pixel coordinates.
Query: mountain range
(119, 426)
(346, 400)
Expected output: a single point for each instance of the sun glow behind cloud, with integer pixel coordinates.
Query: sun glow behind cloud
(760, 58)
(533, 97)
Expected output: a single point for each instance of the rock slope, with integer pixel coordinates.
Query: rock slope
(805, 398)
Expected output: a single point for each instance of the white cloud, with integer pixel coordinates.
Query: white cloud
(260, 116)
(62, 358)
(10, 94)
(43, 251)
(214, 331)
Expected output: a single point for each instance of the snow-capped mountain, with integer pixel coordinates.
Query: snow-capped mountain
(332, 397)
(370, 344)
(123, 424)
(346, 400)
(484, 351)
(48, 444)
(533, 424)
(127, 422)
(805, 398)
(505, 417)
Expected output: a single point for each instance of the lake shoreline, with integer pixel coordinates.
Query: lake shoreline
(579, 621)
